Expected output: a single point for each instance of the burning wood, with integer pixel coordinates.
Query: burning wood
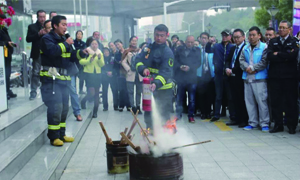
(192, 144)
(136, 148)
(108, 140)
(133, 123)
(122, 141)
(144, 132)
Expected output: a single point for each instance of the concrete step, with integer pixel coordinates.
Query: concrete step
(20, 113)
(49, 162)
(18, 149)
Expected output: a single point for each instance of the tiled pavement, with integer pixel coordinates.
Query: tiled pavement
(233, 154)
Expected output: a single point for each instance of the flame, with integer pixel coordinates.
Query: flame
(146, 130)
(170, 126)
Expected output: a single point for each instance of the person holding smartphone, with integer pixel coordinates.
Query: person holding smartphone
(92, 73)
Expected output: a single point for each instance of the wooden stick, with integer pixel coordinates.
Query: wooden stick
(133, 123)
(122, 139)
(136, 148)
(192, 144)
(144, 132)
(108, 140)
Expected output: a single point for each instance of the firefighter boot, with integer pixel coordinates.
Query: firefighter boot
(57, 142)
(67, 139)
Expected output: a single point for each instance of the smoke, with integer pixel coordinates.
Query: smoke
(164, 140)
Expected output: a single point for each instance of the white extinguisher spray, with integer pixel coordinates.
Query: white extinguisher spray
(147, 94)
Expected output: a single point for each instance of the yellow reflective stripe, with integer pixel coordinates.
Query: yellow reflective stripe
(78, 55)
(138, 64)
(62, 77)
(62, 124)
(54, 127)
(63, 48)
(162, 79)
(41, 52)
(167, 86)
(152, 70)
(66, 55)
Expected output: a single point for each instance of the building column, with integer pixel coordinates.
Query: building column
(122, 28)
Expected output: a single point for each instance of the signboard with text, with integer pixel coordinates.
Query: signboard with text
(3, 97)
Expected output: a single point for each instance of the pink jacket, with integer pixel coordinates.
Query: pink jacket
(130, 75)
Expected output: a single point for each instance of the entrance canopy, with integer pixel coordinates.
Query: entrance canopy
(133, 8)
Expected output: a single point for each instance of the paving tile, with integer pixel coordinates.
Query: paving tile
(235, 154)
(270, 175)
(213, 176)
(241, 175)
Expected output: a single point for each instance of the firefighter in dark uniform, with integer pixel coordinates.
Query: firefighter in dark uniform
(157, 60)
(56, 54)
(283, 83)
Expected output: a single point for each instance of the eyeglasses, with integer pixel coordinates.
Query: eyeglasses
(283, 28)
(237, 37)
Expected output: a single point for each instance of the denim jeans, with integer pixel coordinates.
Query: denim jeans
(74, 96)
(181, 91)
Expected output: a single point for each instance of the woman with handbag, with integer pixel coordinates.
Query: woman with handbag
(92, 73)
(132, 77)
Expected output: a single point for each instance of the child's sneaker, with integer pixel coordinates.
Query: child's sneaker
(248, 128)
(265, 129)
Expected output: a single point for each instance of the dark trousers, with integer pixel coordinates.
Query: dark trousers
(205, 98)
(238, 96)
(181, 93)
(81, 79)
(288, 89)
(35, 77)
(163, 103)
(112, 81)
(123, 94)
(7, 74)
(57, 107)
(221, 85)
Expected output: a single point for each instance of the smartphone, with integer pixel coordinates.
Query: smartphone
(14, 45)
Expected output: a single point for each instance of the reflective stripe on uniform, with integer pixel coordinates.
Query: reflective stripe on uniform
(162, 79)
(54, 127)
(41, 52)
(66, 55)
(153, 70)
(62, 125)
(138, 64)
(78, 55)
(167, 86)
(63, 48)
(61, 77)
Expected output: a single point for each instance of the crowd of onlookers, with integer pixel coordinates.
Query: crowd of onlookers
(255, 77)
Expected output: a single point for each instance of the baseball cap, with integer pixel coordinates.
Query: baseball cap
(225, 32)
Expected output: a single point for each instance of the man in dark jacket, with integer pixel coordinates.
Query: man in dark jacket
(96, 35)
(7, 44)
(235, 73)
(34, 34)
(187, 61)
(221, 52)
(56, 55)
(157, 60)
(283, 83)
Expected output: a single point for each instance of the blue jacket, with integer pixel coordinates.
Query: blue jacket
(159, 59)
(258, 62)
(210, 64)
(221, 53)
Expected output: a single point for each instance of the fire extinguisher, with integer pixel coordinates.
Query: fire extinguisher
(147, 94)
